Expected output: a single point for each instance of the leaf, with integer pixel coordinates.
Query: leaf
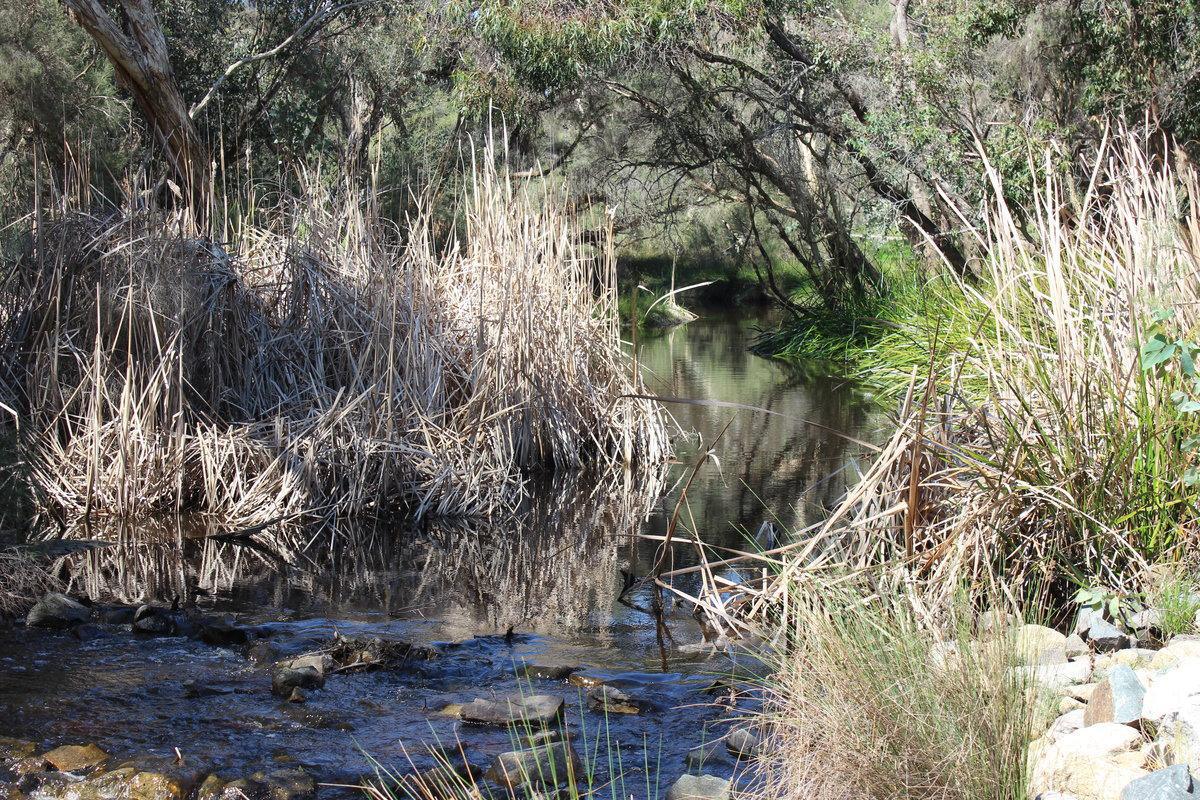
(1188, 406)
(1186, 362)
(1191, 477)
(1162, 314)
(1156, 351)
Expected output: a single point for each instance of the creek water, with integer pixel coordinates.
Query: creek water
(557, 583)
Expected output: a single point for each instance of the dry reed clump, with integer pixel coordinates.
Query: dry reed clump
(23, 580)
(1037, 453)
(320, 366)
(864, 706)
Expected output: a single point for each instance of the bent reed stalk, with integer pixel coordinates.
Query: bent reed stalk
(322, 365)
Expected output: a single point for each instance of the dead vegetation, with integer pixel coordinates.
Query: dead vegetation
(319, 365)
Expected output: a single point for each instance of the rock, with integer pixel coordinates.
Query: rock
(584, 680)
(297, 696)
(1066, 724)
(193, 689)
(995, 620)
(57, 610)
(1082, 692)
(1084, 619)
(1118, 698)
(286, 679)
(544, 766)
(609, 699)
(223, 634)
(155, 621)
(1171, 690)
(538, 709)
(1148, 620)
(74, 757)
(1172, 783)
(1068, 704)
(708, 753)
(1106, 637)
(742, 743)
(159, 778)
(15, 749)
(544, 671)
(1037, 645)
(1058, 676)
(210, 788)
(116, 615)
(1179, 732)
(699, 787)
(1082, 776)
(1134, 657)
(1076, 646)
(287, 784)
(944, 656)
(262, 652)
(1102, 740)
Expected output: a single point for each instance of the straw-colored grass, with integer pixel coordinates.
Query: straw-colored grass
(1037, 452)
(325, 363)
(864, 705)
(23, 579)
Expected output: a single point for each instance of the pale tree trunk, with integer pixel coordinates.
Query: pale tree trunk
(139, 55)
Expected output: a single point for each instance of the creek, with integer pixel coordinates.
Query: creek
(555, 584)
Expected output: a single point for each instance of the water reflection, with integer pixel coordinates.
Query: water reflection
(552, 567)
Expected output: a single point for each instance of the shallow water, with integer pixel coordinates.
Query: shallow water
(550, 578)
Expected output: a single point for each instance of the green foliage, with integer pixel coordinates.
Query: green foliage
(1178, 601)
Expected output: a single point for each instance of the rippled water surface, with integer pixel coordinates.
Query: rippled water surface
(546, 585)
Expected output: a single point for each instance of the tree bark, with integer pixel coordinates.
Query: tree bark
(139, 55)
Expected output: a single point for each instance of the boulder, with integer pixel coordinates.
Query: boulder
(584, 680)
(611, 700)
(1118, 698)
(1101, 740)
(1106, 637)
(1037, 645)
(154, 621)
(699, 787)
(544, 766)
(538, 709)
(1171, 690)
(57, 610)
(117, 615)
(74, 757)
(1172, 783)
(1082, 776)
(1084, 619)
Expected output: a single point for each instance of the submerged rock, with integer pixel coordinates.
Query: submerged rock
(609, 699)
(222, 633)
(15, 749)
(699, 787)
(547, 765)
(538, 709)
(155, 621)
(57, 610)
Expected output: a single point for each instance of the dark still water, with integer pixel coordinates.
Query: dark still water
(558, 584)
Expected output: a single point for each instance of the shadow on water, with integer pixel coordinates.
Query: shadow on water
(543, 584)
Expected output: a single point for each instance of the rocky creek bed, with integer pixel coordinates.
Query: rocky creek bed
(108, 701)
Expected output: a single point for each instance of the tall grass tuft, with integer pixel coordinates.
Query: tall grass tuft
(322, 362)
(865, 705)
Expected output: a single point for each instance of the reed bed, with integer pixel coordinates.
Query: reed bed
(322, 363)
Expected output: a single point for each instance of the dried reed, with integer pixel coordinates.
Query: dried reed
(320, 365)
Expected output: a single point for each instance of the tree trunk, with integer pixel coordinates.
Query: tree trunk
(138, 52)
